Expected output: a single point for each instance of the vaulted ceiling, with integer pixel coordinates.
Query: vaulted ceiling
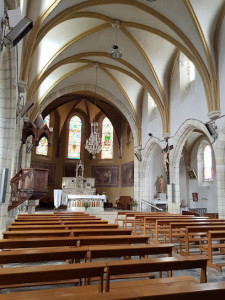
(69, 37)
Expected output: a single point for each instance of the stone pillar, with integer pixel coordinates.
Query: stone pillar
(8, 102)
(219, 150)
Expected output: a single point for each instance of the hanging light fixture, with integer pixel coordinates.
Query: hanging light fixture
(115, 49)
(94, 143)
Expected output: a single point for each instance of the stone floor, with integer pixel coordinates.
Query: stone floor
(110, 215)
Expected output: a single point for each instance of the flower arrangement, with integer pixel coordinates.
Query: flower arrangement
(85, 204)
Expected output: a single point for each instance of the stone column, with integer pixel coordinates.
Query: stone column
(8, 102)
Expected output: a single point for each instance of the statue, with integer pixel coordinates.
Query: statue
(162, 184)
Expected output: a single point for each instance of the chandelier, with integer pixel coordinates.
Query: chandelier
(94, 143)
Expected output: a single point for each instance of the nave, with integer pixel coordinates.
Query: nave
(68, 254)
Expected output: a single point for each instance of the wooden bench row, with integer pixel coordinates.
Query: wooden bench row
(87, 253)
(182, 287)
(63, 233)
(73, 241)
(32, 275)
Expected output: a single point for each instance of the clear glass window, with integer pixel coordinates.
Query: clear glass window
(208, 165)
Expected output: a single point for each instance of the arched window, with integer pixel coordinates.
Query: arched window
(207, 163)
(107, 139)
(187, 71)
(42, 148)
(74, 144)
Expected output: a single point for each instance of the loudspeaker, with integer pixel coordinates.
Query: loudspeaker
(5, 173)
(18, 32)
(211, 130)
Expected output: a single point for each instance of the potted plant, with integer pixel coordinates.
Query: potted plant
(134, 204)
(85, 205)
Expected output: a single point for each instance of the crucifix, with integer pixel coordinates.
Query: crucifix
(166, 160)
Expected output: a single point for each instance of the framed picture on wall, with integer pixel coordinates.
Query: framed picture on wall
(106, 176)
(127, 174)
(195, 197)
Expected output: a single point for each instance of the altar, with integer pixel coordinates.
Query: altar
(80, 192)
(92, 201)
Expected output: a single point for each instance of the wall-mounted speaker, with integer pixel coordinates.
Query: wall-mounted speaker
(18, 32)
(211, 130)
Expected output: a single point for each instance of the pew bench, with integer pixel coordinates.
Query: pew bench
(43, 254)
(23, 276)
(91, 292)
(96, 232)
(156, 265)
(196, 235)
(112, 240)
(215, 245)
(36, 227)
(182, 290)
(23, 234)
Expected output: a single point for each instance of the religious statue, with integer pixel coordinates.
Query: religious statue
(162, 184)
(165, 161)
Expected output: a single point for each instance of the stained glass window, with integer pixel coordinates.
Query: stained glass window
(42, 148)
(208, 166)
(47, 120)
(74, 138)
(107, 139)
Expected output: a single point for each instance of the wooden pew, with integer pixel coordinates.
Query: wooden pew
(175, 288)
(35, 234)
(156, 265)
(151, 222)
(178, 230)
(59, 222)
(91, 226)
(196, 234)
(129, 250)
(42, 254)
(38, 242)
(85, 222)
(61, 227)
(36, 227)
(23, 276)
(112, 240)
(215, 246)
(56, 219)
(94, 232)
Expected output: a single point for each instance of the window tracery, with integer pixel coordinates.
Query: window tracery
(42, 148)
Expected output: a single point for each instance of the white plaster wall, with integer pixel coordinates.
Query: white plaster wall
(222, 67)
(150, 124)
(189, 103)
(207, 192)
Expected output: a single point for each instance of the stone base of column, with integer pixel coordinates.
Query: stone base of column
(31, 206)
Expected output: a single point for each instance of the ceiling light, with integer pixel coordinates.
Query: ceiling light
(115, 52)
(115, 49)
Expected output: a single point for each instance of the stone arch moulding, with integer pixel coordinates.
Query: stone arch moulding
(145, 165)
(178, 144)
(115, 101)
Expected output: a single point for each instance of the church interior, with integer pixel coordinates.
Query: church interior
(112, 132)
